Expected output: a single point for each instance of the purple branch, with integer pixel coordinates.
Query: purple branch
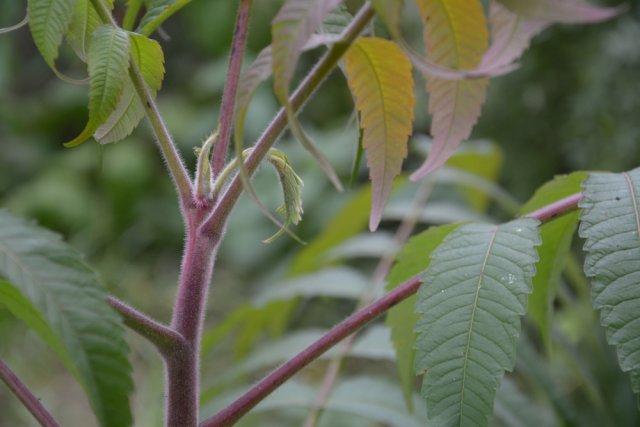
(231, 87)
(27, 398)
(267, 385)
(163, 337)
(237, 409)
(555, 209)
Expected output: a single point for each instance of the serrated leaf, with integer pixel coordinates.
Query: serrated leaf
(412, 259)
(456, 37)
(48, 22)
(567, 11)
(148, 56)
(108, 61)
(556, 235)
(83, 23)
(474, 292)
(68, 297)
(610, 223)
(389, 12)
(157, 12)
(510, 35)
(379, 76)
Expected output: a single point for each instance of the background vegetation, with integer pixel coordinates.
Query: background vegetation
(573, 105)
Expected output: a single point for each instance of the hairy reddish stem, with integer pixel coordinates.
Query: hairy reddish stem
(27, 398)
(231, 87)
(351, 324)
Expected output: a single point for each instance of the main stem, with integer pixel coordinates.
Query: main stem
(183, 365)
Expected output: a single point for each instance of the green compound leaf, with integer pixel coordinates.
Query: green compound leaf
(401, 319)
(108, 64)
(610, 223)
(84, 22)
(556, 235)
(48, 22)
(47, 285)
(474, 292)
(147, 55)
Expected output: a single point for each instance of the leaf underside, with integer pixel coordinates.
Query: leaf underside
(456, 37)
(610, 223)
(474, 292)
(379, 76)
(48, 22)
(55, 292)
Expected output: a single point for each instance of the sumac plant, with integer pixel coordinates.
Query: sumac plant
(456, 294)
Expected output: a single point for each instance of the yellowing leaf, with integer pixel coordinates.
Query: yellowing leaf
(379, 75)
(456, 37)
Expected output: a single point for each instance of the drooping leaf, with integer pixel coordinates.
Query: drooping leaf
(56, 293)
(556, 235)
(83, 23)
(510, 35)
(48, 22)
(389, 11)
(157, 12)
(474, 292)
(108, 64)
(412, 259)
(456, 36)
(147, 55)
(379, 76)
(610, 223)
(291, 185)
(567, 11)
(291, 29)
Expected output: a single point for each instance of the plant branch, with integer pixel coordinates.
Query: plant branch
(308, 86)
(267, 385)
(163, 337)
(22, 392)
(237, 409)
(225, 121)
(165, 142)
(402, 234)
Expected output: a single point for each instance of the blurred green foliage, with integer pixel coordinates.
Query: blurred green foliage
(573, 104)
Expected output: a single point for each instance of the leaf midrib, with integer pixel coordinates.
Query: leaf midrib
(473, 315)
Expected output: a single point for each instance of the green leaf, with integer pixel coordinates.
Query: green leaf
(291, 185)
(48, 22)
(108, 64)
(515, 409)
(474, 292)
(55, 292)
(456, 36)
(84, 22)
(610, 223)
(147, 55)
(412, 259)
(291, 30)
(379, 76)
(556, 235)
(157, 12)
